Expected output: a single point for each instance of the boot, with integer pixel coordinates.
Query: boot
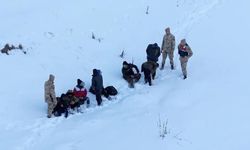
(131, 84)
(185, 77)
(162, 67)
(172, 67)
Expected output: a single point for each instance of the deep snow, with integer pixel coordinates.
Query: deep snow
(209, 110)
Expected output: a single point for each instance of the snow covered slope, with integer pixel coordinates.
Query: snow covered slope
(209, 110)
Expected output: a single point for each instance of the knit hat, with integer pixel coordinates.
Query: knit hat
(155, 44)
(183, 41)
(51, 77)
(167, 30)
(95, 71)
(79, 81)
(125, 63)
(70, 92)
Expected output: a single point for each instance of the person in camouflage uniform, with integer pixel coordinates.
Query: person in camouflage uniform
(97, 85)
(50, 95)
(168, 46)
(185, 53)
(149, 69)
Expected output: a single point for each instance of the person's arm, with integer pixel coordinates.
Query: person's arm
(142, 68)
(179, 48)
(93, 84)
(173, 43)
(163, 42)
(136, 68)
(158, 51)
(52, 92)
(147, 50)
(190, 52)
(124, 72)
(85, 92)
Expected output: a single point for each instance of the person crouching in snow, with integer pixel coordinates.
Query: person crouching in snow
(129, 74)
(73, 101)
(149, 69)
(50, 95)
(80, 92)
(185, 53)
(61, 107)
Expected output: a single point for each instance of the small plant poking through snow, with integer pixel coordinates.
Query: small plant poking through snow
(122, 54)
(97, 39)
(93, 36)
(147, 11)
(163, 127)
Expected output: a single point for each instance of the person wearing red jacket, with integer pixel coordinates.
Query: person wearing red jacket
(80, 92)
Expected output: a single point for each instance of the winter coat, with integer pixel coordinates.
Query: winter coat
(149, 65)
(184, 51)
(80, 92)
(61, 108)
(97, 81)
(153, 52)
(127, 70)
(168, 43)
(49, 88)
(70, 99)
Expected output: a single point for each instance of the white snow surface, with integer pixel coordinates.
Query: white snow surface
(208, 111)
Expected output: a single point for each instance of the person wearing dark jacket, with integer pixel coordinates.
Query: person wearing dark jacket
(149, 69)
(130, 73)
(97, 85)
(61, 107)
(153, 52)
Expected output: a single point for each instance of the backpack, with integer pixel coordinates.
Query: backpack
(111, 90)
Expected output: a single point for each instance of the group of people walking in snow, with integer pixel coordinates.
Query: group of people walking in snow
(73, 99)
(131, 73)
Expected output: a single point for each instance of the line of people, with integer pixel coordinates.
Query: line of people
(131, 72)
(73, 99)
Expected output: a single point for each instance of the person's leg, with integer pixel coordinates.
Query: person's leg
(184, 67)
(66, 113)
(50, 109)
(137, 77)
(171, 58)
(130, 81)
(164, 56)
(145, 77)
(148, 76)
(87, 101)
(98, 98)
(149, 80)
(153, 75)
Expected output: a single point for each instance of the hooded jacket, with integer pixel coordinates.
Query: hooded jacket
(97, 81)
(153, 52)
(49, 88)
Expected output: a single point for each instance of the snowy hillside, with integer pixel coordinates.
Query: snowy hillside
(208, 111)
